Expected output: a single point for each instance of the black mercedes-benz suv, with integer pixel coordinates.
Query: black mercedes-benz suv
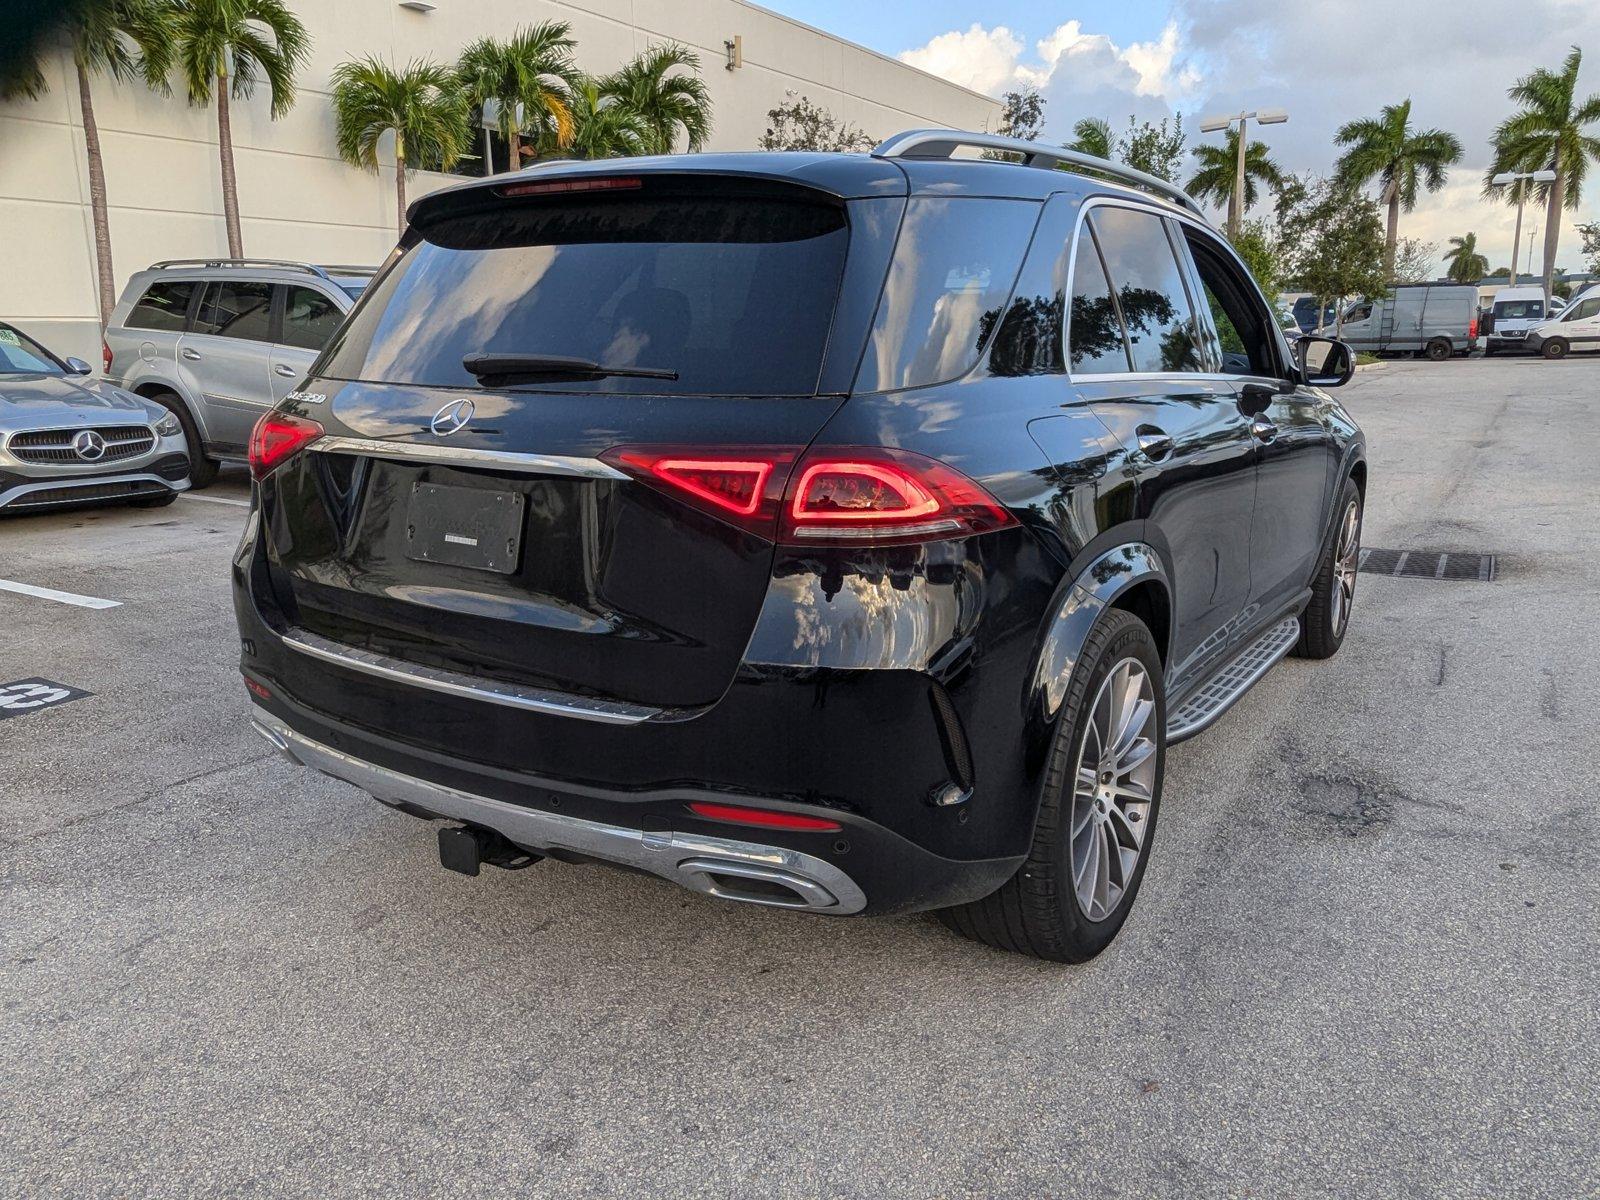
(845, 533)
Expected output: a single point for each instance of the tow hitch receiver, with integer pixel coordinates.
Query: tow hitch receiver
(465, 848)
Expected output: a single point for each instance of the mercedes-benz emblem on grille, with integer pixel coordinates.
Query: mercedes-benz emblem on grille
(452, 417)
(89, 445)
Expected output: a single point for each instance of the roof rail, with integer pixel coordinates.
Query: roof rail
(943, 143)
(348, 269)
(309, 268)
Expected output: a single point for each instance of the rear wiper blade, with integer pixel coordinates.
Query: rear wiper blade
(495, 370)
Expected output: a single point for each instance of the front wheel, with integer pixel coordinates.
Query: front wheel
(1555, 348)
(202, 470)
(1333, 591)
(1097, 812)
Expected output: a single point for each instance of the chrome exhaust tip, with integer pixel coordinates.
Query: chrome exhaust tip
(751, 884)
(277, 741)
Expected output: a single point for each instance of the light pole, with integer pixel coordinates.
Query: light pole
(1521, 179)
(1264, 116)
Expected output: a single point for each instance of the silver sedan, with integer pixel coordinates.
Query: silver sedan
(67, 439)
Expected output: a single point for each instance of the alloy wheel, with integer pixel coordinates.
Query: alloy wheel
(1114, 789)
(1346, 560)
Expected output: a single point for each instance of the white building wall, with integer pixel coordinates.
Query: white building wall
(299, 201)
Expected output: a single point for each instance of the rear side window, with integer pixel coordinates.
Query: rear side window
(954, 265)
(1094, 331)
(236, 309)
(1144, 271)
(309, 318)
(734, 293)
(164, 306)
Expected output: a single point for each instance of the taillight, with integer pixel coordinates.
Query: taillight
(850, 495)
(841, 495)
(1472, 328)
(277, 438)
(105, 356)
(767, 818)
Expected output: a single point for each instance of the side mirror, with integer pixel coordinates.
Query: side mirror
(1324, 362)
(78, 367)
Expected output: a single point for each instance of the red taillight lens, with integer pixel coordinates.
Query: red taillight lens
(850, 495)
(738, 814)
(606, 183)
(1472, 328)
(105, 356)
(741, 484)
(277, 438)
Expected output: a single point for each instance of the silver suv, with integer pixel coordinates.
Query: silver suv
(220, 341)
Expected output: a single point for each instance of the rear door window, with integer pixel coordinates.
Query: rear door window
(734, 293)
(1518, 310)
(164, 306)
(954, 265)
(1150, 292)
(236, 309)
(309, 318)
(1094, 330)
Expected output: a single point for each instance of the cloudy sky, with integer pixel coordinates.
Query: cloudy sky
(1326, 63)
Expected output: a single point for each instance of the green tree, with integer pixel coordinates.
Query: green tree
(1091, 135)
(1590, 233)
(1022, 115)
(223, 47)
(1466, 265)
(604, 127)
(421, 104)
(529, 79)
(1550, 132)
(1217, 177)
(802, 125)
(1154, 149)
(1336, 247)
(1400, 157)
(1263, 254)
(664, 90)
(127, 40)
(1413, 260)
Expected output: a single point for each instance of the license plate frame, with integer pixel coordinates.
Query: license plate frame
(475, 528)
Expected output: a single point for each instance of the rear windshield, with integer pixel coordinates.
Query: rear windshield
(735, 294)
(1514, 309)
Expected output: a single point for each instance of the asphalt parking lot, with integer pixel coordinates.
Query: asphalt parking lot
(1365, 960)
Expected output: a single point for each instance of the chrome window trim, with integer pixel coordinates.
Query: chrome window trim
(465, 456)
(1159, 212)
(471, 687)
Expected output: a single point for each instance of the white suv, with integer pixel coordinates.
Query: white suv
(1577, 328)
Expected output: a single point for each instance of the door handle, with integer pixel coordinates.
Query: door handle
(1263, 429)
(1155, 444)
(191, 355)
(286, 372)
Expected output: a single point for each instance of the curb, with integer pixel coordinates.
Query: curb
(1377, 366)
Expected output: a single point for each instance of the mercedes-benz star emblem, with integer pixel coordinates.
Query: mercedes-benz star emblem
(89, 445)
(452, 417)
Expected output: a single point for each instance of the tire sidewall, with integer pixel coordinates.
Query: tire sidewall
(202, 470)
(1554, 348)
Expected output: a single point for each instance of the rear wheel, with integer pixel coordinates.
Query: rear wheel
(1555, 348)
(1097, 814)
(1333, 591)
(202, 470)
(1438, 350)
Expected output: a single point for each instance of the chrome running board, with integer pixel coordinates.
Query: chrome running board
(721, 867)
(1218, 694)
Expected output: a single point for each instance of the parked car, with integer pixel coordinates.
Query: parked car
(898, 611)
(67, 439)
(1577, 327)
(1516, 310)
(220, 341)
(1311, 317)
(1431, 319)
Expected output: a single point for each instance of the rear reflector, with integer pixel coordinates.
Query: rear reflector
(738, 814)
(277, 438)
(257, 689)
(603, 184)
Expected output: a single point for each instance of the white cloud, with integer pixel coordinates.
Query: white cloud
(979, 58)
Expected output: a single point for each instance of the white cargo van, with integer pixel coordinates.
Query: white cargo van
(1577, 328)
(1435, 319)
(1516, 310)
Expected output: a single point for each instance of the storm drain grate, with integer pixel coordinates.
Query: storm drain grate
(1428, 564)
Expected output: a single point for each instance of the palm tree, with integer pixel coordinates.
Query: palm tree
(1217, 177)
(1466, 264)
(1549, 134)
(422, 103)
(1390, 150)
(665, 102)
(602, 126)
(223, 47)
(529, 79)
(1093, 136)
(128, 40)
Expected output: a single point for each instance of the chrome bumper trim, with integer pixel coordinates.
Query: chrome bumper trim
(712, 865)
(466, 456)
(473, 687)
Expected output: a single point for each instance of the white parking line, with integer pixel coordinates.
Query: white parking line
(27, 589)
(216, 500)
